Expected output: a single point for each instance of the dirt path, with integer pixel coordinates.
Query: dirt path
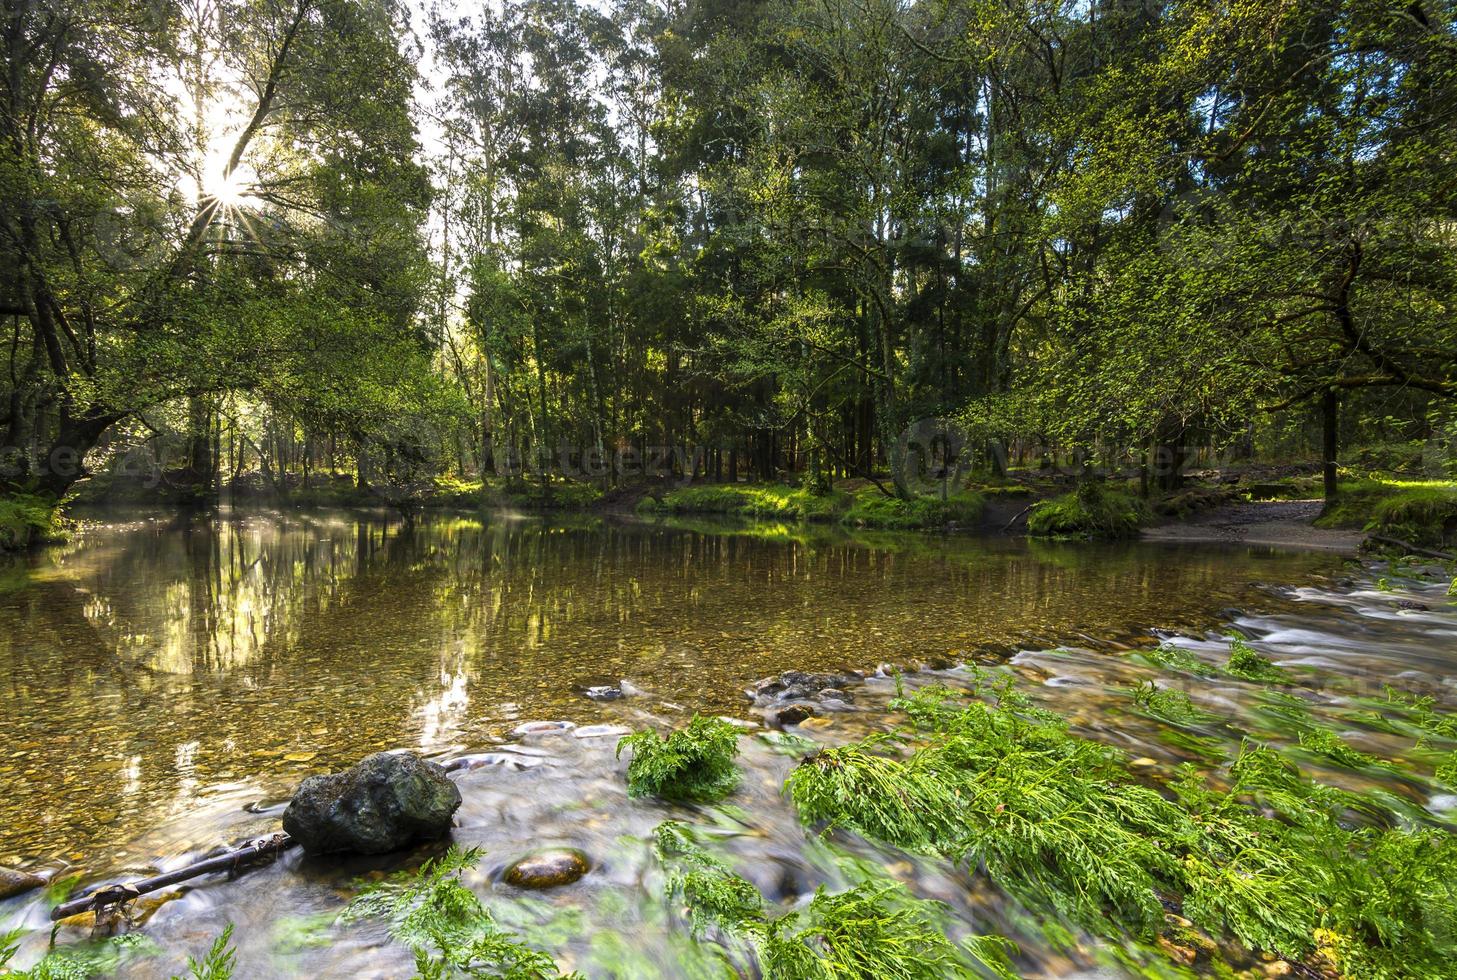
(1277, 522)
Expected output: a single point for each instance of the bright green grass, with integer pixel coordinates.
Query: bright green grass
(866, 507)
(1092, 511)
(1423, 512)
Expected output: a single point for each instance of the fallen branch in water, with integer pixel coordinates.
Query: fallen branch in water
(1413, 549)
(119, 894)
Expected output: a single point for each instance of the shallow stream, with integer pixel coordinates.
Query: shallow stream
(166, 684)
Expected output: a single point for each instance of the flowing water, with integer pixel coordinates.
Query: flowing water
(167, 683)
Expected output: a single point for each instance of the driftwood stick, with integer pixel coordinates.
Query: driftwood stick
(118, 894)
(1413, 549)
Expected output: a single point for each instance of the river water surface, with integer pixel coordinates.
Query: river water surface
(165, 684)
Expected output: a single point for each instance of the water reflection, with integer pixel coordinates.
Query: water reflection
(152, 668)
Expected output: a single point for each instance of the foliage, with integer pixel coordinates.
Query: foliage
(692, 764)
(1267, 856)
(1049, 816)
(767, 500)
(875, 929)
(873, 509)
(1091, 511)
(1171, 657)
(25, 518)
(218, 964)
(1247, 664)
(1167, 704)
(445, 925)
(83, 961)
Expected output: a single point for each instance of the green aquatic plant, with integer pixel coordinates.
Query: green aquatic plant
(445, 925)
(1447, 770)
(217, 964)
(83, 961)
(1247, 664)
(693, 764)
(1268, 857)
(875, 929)
(1166, 704)
(1324, 742)
(714, 895)
(1170, 657)
(1052, 818)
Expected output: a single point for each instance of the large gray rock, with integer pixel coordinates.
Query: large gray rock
(386, 802)
(18, 882)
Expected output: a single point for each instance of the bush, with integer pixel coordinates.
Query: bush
(694, 764)
(1092, 511)
(26, 519)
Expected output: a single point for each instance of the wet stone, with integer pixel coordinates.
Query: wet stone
(606, 692)
(386, 802)
(790, 714)
(14, 883)
(1412, 605)
(548, 869)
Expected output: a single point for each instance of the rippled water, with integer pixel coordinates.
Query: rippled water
(166, 685)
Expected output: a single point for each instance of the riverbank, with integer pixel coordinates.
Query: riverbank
(1281, 523)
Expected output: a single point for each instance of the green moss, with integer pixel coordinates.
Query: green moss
(1423, 513)
(26, 519)
(1092, 511)
(773, 500)
(695, 763)
(866, 507)
(874, 509)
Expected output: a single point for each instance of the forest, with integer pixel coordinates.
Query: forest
(293, 239)
(784, 489)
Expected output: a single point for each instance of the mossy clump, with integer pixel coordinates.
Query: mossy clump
(1422, 513)
(1175, 658)
(1093, 510)
(875, 929)
(27, 519)
(773, 500)
(694, 764)
(876, 510)
(445, 925)
(1247, 664)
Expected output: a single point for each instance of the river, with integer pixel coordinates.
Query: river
(167, 682)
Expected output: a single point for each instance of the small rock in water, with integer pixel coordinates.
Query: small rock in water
(1412, 605)
(601, 731)
(541, 728)
(790, 714)
(548, 869)
(605, 692)
(386, 802)
(14, 883)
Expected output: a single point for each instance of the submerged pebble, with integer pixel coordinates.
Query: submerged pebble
(14, 883)
(548, 869)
